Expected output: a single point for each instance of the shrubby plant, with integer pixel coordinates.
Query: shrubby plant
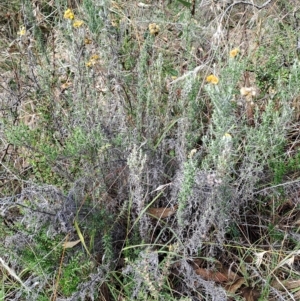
(149, 151)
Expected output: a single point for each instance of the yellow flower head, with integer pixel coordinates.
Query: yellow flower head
(77, 23)
(69, 14)
(234, 52)
(22, 31)
(212, 79)
(93, 60)
(89, 64)
(154, 29)
(95, 57)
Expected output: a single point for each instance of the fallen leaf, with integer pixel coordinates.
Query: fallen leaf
(13, 47)
(196, 263)
(232, 276)
(232, 288)
(81, 236)
(12, 273)
(162, 212)
(285, 284)
(250, 294)
(71, 244)
(292, 284)
(209, 275)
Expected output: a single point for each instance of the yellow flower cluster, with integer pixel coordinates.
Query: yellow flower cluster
(234, 52)
(212, 79)
(93, 60)
(70, 15)
(77, 23)
(154, 29)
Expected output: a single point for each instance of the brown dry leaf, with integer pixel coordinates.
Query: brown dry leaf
(285, 284)
(196, 263)
(211, 275)
(250, 294)
(292, 284)
(232, 288)
(71, 244)
(162, 212)
(13, 47)
(232, 276)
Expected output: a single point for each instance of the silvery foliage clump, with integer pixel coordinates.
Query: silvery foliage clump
(206, 207)
(233, 162)
(194, 283)
(40, 205)
(136, 163)
(146, 272)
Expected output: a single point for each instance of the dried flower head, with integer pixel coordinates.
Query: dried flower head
(22, 31)
(212, 79)
(87, 41)
(93, 60)
(77, 23)
(248, 91)
(234, 52)
(95, 57)
(89, 64)
(192, 153)
(69, 14)
(154, 29)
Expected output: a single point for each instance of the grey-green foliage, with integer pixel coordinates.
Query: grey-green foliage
(236, 154)
(206, 205)
(146, 99)
(264, 142)
(187, 185)
(210, 291)
(97, 14)
(224, 120)
(145, 272)
(137, 163)
(124, 110)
